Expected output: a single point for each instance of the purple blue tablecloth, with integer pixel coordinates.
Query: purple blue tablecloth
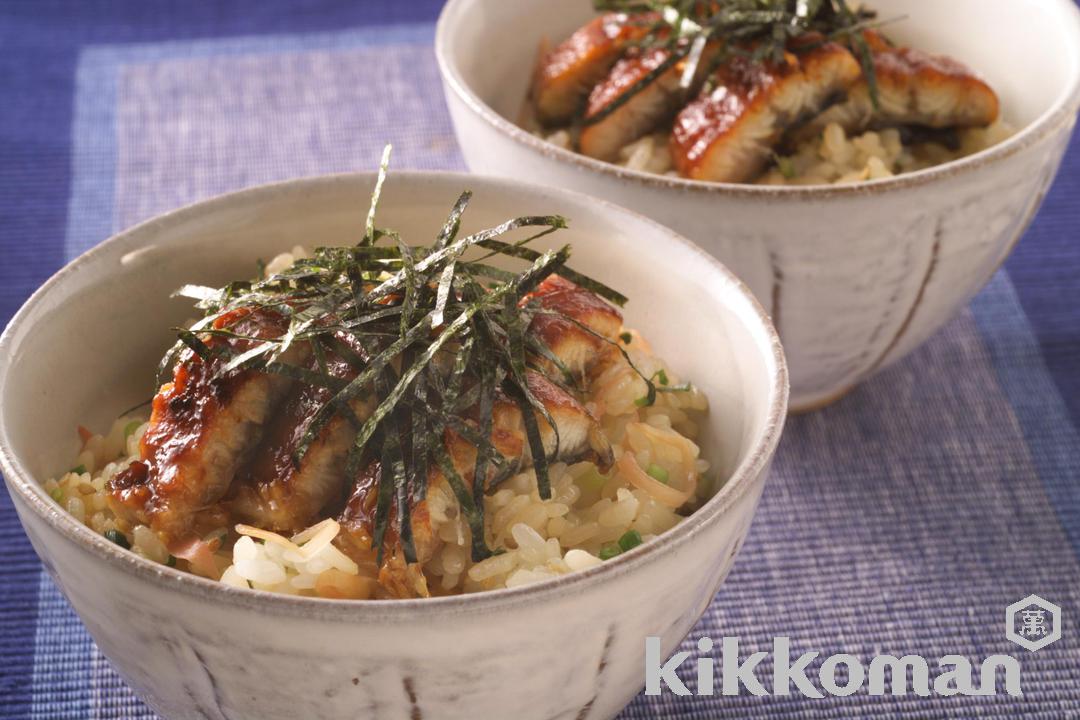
(902, 520)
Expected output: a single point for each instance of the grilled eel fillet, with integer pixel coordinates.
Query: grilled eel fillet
(579, 434)
(280, 493)
(914, 88)
(203, 429)
(567, 73)
(728, 133)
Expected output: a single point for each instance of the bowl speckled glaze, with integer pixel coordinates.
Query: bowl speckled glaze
(855, 277)
(84, 347)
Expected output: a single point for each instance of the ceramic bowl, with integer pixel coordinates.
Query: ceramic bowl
(854, 277)
(84, 347)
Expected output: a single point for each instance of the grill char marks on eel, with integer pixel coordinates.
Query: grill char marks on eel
(567, 73)
(729, 132)
(914, 88)
(203, 428)
(567, 308)
(579, 434)
(279, 493)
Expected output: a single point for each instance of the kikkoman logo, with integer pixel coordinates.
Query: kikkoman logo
(737, 674)
(1026, 623)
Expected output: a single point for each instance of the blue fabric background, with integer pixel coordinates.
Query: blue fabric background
(904, 519)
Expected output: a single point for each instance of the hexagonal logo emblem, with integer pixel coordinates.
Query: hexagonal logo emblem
(1033, 623)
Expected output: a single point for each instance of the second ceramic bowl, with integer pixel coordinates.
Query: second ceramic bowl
(855, 277)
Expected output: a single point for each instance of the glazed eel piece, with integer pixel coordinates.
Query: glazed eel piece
(618, 113)
(729, 132)
(278, 492)
(204, 426)
(568, 308)
(914, 88)
(567, 73)
(580, 438)
(642, 92)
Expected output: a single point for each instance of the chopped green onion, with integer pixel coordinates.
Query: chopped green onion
(78, 469)
(785, 166)
(171, 562)
(132, 426)
(643, 401)
(117, 537)
(592, 480)
(609, 551)
(662, 376)
(630, 540)
(57, 494)
(626, 338)
(656, 472)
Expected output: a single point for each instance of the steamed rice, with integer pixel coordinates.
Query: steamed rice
(586, 517)
(836, 158)
(831, 158)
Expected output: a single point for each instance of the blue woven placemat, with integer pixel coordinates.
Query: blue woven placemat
(902, 520)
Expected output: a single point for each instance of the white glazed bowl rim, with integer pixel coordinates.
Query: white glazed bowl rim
(1063, 109)
(21, 481)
